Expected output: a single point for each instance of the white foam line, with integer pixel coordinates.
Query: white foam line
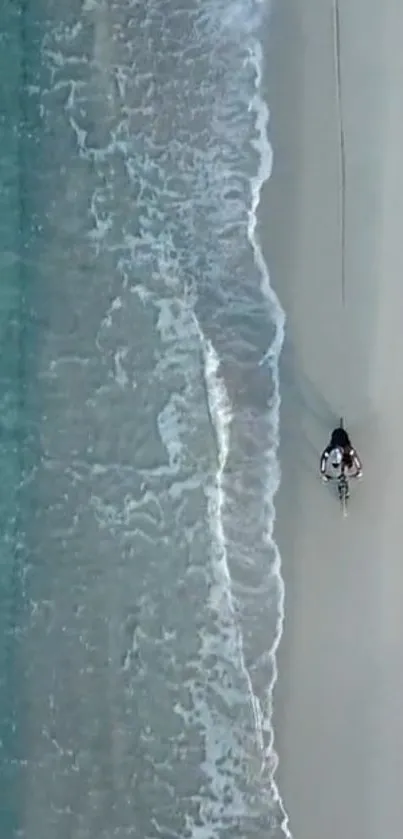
(221, 416)
(272, 356)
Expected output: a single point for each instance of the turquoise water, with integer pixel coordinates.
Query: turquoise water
(12, 384)
(141, 588)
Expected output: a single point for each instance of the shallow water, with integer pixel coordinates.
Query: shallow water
(141, 583)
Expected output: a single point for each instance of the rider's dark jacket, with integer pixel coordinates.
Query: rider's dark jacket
(341, 440)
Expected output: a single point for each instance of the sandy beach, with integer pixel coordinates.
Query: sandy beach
(338, 702)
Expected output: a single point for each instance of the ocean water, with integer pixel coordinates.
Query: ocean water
(141, 586)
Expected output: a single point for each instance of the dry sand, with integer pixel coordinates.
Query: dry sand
(339, 698)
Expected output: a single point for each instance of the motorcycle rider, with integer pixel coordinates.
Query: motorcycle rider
(340, 454)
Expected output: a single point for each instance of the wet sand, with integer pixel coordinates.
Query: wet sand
(338, 718)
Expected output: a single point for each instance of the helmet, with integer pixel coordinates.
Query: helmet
(336, 458)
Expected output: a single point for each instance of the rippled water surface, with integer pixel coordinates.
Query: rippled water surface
(141, 588)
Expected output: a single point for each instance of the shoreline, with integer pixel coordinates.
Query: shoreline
(338, 731)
